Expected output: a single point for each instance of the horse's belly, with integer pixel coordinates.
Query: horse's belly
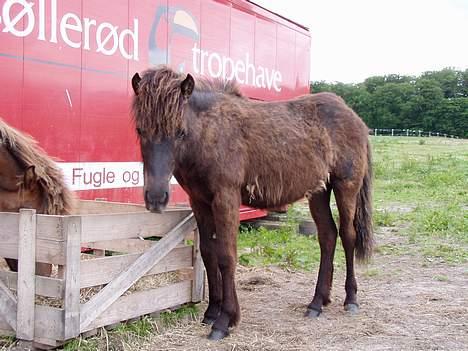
(275, 194)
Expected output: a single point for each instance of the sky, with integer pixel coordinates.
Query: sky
(355, 39)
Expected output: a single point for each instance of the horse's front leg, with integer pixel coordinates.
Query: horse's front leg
(225, 207)
(207, 230)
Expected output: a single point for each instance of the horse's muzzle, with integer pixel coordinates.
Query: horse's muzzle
(156, 202)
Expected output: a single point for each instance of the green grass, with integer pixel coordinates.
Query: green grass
(171, 318)
(283, 247)
(6, 342)
(431, 178)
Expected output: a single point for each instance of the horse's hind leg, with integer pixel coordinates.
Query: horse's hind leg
(319, 204)
(206, 228)
(346, 195)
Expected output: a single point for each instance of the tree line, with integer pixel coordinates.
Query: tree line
(434, 101)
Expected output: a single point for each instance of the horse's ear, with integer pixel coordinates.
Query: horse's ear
(30, 178)
(187, 86)
(136, 82)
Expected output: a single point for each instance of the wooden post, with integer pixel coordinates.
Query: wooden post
(107, 296)
(198, 282)
(26, 275)
(72, 235)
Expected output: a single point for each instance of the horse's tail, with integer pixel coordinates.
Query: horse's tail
(363, 216)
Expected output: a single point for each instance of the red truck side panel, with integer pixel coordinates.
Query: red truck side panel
(65, 68)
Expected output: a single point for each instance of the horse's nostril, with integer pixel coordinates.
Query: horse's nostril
(164, 197)
(156, 199)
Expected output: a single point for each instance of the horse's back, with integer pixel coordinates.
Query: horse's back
(347, 132)
(334, 114)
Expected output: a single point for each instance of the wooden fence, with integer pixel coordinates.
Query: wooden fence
(88, 291)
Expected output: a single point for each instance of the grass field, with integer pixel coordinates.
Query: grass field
(420, 210)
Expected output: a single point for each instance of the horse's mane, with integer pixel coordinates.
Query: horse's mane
(58, 199)
(228, 87)
(158, 108)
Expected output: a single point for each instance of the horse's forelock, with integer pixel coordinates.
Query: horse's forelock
(158, 108)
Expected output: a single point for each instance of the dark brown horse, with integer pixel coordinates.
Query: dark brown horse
(29, 179)
(226, 150)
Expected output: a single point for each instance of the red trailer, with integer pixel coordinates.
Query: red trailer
(65, 68)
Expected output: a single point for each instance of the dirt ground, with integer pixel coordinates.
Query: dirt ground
(407, 303)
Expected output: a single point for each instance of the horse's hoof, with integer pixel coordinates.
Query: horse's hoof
(311, 313)
(352, 308)
(208, 320)
(217, 334)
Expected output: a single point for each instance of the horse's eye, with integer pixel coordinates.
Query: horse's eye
(138, 130)
(180, 134)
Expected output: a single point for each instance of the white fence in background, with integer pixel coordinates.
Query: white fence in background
(409, 132)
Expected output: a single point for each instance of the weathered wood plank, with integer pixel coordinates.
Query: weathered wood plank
(7, 305)
(132, 225)
(48, 323)
(106, 207)
(103, 207)
(101, 301)
(5, 328)
(122, 245)
(131, 306)
(198, 282)
(48, 251)
(26, 271)
(103, 270)
(10, 224)
(48, 227)
(72, 228)
(45, 286)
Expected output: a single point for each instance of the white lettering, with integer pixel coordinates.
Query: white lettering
(249, 68)
(18, 18)
(228, 73)
(269, 78)
(277, 80)
(243, 71)
(218, 62)
(260, 80)
(53, 21)
(202, 60)
(102, 43)
(87, 25)
(41, 35)
(196, 52)
(65, 25)
(10, 23)
(133, 36)
(240, 68)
